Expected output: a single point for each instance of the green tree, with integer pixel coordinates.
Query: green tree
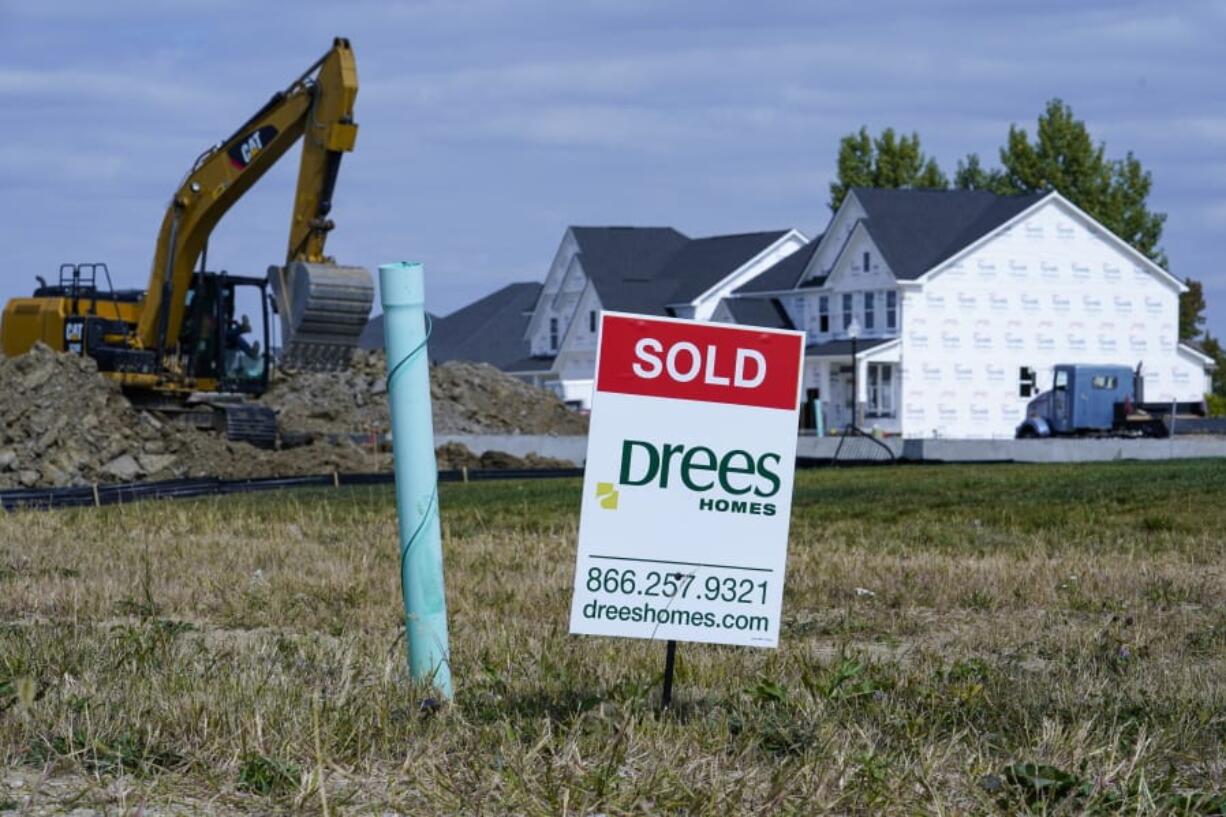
(972, 176)
(1191, 310)
(886, 161)
(1213, 348)
(1063, 157)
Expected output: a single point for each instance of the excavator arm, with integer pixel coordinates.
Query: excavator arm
(323, 306)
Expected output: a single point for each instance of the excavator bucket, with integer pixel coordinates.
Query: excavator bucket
(323, 309)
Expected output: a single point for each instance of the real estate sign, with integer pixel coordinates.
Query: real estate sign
(688, 483)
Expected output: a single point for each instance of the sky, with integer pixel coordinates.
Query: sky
(488, 127)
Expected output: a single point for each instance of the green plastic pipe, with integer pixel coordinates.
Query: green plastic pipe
(402, 289)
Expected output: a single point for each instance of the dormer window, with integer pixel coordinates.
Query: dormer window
(553, 334)
(865, 262)
(823, 314)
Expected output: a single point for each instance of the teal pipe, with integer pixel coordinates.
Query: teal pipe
(403, 292)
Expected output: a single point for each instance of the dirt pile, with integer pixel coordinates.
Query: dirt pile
(454, 456)
(62, 423)
(469, 398)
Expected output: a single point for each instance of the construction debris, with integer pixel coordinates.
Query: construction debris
(62, 423)
(468, 398)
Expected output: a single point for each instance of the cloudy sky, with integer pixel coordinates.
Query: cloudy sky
(487, 127)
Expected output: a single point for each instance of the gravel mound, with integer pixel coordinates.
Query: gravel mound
(454, 456)
(62, 423)
(468, 398)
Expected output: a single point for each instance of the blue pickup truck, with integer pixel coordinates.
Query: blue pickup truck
(1091, 399)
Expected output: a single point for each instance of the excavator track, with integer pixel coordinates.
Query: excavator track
(250, 423)
(323, 310)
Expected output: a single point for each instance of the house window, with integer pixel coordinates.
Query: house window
(846, 310)
(865, 262)
(591, 321)
(880, 390)
(891, 310)
(870, 299)
(553, 334)
(1026, 382)
(823, 314)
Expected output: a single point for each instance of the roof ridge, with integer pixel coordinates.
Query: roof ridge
(784, 231)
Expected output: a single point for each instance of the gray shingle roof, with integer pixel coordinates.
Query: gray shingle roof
(839, 348)
(917, 229)
(704, 262)
(644, 269)
(622, 263)
(785, 274)
(372, 333)
(490, 330)
(767, 312)
(914, 229)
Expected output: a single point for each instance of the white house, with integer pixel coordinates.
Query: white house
(965, 300)
(647, 270)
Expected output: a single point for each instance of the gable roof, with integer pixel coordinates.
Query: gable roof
(619, 260)
(372, 333)
(645, 269)
(783, 275)
(765, 312)
(489, 330)
(704, 262)
(917, 229)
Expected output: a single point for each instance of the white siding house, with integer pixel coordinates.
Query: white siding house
(965, 301)
(646, 270)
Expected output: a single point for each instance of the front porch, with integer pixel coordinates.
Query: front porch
(828, 380)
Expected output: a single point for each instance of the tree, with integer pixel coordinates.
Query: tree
(887, 161)
(971, 175)
(1064, 157)
(1191, 310)
(1213, 348)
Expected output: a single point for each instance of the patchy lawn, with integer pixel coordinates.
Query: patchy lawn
(956, 640)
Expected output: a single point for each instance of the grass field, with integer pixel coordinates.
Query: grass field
(956, 640)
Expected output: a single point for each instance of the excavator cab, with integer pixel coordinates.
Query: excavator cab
(217, 342)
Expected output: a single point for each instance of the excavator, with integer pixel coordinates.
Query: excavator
(177, 347)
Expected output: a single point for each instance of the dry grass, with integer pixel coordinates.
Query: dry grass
(192, 656)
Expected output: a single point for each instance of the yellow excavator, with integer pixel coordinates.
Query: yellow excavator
(177, 346)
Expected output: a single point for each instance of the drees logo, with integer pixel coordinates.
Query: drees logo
(671, 466)
(250, 145)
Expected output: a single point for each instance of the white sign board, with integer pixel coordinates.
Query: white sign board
(687, 489)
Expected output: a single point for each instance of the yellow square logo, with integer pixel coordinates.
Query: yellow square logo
(607, 495)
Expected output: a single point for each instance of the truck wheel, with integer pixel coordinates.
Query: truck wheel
(1027, 433)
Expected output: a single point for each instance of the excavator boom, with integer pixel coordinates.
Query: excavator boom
(320, 321)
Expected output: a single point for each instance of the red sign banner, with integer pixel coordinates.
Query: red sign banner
(709, 362)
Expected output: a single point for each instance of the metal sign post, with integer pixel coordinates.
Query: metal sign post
(670, 660)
